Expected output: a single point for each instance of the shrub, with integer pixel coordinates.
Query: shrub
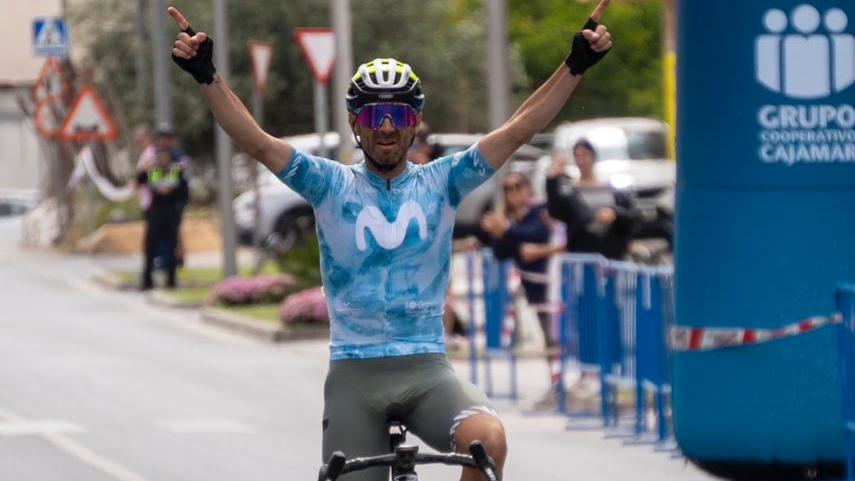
(308, 306)
(254, 290)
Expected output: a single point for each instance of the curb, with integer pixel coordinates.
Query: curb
(111, 281)
(257, 329)
(163, 299)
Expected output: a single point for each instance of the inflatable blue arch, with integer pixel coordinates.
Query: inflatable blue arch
(766, 224)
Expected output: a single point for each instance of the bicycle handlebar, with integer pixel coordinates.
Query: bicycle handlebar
(338, 463)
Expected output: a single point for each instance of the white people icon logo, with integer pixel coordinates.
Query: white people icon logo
(806, 63)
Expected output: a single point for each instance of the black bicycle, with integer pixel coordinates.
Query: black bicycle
(403, 459)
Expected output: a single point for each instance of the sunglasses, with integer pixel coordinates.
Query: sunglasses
(372, 116)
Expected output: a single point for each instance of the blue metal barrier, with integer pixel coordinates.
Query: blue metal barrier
(578, 323)
(472, 329)
(608, 343)
(654, 306)
(496, 302)
(613, 322)
(846, 344)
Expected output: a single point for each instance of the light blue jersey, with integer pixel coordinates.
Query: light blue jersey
(385, 248)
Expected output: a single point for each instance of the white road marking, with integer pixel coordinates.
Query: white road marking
(38, 428)
(187, 320)
(97, 461)
(76, 449)
(197, 426)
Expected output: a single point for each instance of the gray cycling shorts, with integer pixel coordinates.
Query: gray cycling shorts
(422, 391)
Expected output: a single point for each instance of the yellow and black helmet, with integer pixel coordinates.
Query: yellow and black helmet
(384, 80)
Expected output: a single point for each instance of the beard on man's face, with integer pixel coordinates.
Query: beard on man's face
(388, 148)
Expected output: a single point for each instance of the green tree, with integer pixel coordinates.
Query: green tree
(444, 40)
(627, 82)
(444, 43)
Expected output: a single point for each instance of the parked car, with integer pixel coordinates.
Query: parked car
(15, 203)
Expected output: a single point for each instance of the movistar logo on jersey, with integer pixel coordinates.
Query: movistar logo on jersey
(389, 235)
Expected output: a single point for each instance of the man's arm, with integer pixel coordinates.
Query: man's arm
(236, 120)
(545, 103)
(534, 252)
(192, 51)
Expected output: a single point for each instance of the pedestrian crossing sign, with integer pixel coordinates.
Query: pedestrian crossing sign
(50, 37)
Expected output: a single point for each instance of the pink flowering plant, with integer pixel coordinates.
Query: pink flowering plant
(307, 307)
(254, 290)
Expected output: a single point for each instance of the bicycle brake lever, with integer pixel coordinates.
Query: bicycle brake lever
(332, 470)
(484, 462)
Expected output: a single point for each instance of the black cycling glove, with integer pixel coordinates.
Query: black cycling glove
(582, 57)
(201, 67)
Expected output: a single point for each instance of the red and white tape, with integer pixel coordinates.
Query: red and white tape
(709, 338)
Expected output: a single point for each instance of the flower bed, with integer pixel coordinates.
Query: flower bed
(307, 307)
(254, 290)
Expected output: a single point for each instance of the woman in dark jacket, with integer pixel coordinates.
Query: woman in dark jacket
(525, 235)
(599, 219)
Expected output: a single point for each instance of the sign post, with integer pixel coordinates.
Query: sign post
(260, 54)
(50, 37)
(318, 47)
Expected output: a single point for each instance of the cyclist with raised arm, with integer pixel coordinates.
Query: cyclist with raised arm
(384, 228)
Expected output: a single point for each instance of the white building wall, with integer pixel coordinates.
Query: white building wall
(21, 159)
(21, 164)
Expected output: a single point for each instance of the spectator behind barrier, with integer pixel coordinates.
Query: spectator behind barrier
(599, 219)
(525, 235)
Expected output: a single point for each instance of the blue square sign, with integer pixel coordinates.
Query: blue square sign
(50, 37)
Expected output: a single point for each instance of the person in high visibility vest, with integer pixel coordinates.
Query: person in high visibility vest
(169, 195)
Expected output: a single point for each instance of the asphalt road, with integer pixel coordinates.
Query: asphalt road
(101, 386)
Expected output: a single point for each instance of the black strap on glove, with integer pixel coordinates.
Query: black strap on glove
(582, 57)
(201, 67)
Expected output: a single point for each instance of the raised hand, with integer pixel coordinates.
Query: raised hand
(591, 44)
(192, 51)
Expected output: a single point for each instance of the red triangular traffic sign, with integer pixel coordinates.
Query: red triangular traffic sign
(260, 54)
(88, 119)
(48, 117)
(51, 81)
(318, 46)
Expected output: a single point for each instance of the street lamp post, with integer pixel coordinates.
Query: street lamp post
(223, 144)
(498, 74)
(162, 91)
(343, 68)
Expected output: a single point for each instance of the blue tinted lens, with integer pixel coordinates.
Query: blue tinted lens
(373, 115)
